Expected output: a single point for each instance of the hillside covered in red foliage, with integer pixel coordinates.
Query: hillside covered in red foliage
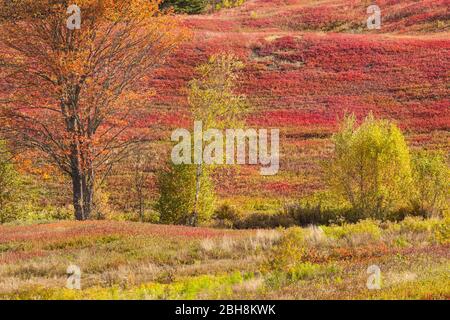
(307, 64)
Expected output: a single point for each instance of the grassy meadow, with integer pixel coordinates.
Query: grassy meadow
(131, 260)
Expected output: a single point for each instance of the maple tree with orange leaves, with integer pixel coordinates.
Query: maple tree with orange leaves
(74, 95)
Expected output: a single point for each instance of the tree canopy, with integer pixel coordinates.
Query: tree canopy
(74, 94)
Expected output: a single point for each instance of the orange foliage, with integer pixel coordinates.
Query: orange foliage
(74, 95)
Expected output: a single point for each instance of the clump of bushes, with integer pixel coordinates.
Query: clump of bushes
(265, 221)
(417, 225)
(306, 215)
(227, 216)
(149, 216)
(177, 202)
(199, 6)
(287, 260)
(371, 166)
(319, 209)
(185, 6)
(369, 229)
(442, 232)
(287, 252)
(322, 208)
(431, 177)
(373, 172)
(372, 175)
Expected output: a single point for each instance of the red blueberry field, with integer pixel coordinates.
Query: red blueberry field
(94, 206)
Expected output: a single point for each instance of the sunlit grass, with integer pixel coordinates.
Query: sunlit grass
(140, 261)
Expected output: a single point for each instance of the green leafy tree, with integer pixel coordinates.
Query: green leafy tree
(199, 6)
(185, 6)
(371, 166)
(177, 187)
(213, 101)
(431, 181)
(9, 183)
(212, 94)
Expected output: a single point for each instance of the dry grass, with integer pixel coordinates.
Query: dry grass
(207, 263)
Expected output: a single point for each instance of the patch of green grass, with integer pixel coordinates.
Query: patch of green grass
(302, 272)
(434, 286)
(14, 246)
(368, 228)
(204, 286)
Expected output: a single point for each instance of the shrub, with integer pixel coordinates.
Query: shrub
(298, 215)
(299, 271)
(321, 208)
(101, 207)
(9, 185)
(418, 225)
(288, 252)
(227, 216)
(371, 166)
(305, 215)
(219, 4)
(58, 213)
(368, 228)
(442, 232)
(199, 6)
(286, 261)
(265, 221)
(185, 6)
(302, 271)
(177, 187)
(431, 176)
(27, 211)
(149, 216)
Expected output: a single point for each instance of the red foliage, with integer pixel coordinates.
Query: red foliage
(304, 82)
(70, 230)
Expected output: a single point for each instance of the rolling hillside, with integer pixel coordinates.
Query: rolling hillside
(307, 64)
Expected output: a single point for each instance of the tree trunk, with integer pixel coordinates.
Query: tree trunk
(141, 207)
(83, 191)
(77, 196)
(197, 194)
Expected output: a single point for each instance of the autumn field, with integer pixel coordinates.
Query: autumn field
(93, 206)
(126, 260)
(303, 78)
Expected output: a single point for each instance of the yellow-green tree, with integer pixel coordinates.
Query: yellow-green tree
(212, 94)
(371, 166)
(431, 181)
(214, 102)
(177, 187)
